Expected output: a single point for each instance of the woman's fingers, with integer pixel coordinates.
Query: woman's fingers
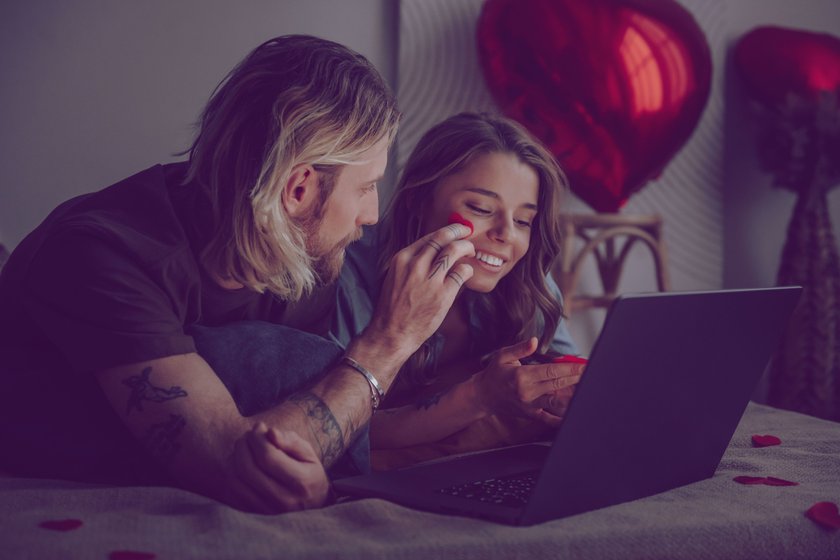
(516, 352)
(535, 380)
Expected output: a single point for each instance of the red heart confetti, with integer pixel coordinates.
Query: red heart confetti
(131, 555)
(824, 513)
(765, 441)
(61, 524)
(456, 218)
(766, 480)
(773, 481)
(749, 479)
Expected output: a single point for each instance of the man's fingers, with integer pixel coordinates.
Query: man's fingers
(275, 463)
(295, 465)
(459, 274)
(431, 244)
(254, 486)
(446, 259)
(294, 445)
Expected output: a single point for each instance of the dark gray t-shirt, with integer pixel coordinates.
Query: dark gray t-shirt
(108, 278)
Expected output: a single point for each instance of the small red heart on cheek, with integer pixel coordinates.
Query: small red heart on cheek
(456, 218)
(61, 524)
(824, 513)
(765, 441)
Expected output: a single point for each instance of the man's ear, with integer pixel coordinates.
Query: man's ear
(300, 190)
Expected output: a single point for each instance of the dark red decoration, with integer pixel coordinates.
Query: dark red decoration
(775, 62)
(824, 513)
(61, 524)
(614, 88)
(794, 76)
(765, 441)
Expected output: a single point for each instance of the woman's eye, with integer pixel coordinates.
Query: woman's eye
(523, 223)
(369, 188)
(478, 209)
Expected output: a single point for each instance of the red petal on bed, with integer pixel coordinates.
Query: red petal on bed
(61, 524)
(824, 513)
(773, 481)
(749, 479)
(131, 555)
(765, 441)
(767, 480)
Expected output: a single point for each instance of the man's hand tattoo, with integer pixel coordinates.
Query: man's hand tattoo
(441, 264)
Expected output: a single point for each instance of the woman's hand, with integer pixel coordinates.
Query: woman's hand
(538, 391)
(274, 472)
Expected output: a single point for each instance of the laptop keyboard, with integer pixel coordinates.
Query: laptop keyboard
(512, 490)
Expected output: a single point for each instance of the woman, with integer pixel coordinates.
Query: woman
(466, 388)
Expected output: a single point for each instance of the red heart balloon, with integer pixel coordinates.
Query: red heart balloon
(775, 62)
(614, 88)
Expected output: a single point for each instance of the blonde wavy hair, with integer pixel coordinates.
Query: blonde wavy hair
(521, 305)
(293, 100)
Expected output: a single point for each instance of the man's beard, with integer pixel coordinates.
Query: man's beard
(326, 261)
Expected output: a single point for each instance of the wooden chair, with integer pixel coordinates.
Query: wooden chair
(608, 238)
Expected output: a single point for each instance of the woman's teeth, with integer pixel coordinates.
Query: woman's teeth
(489, 259)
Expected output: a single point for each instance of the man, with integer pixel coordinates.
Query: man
(101, 379)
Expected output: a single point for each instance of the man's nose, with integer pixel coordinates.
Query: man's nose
(370, 211)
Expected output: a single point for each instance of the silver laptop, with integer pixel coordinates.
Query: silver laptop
(666, 385)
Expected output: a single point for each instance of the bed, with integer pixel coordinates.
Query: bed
(716, 518)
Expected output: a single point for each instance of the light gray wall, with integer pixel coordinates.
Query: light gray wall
(92, 91)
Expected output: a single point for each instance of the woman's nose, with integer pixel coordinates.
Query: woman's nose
(502, 228)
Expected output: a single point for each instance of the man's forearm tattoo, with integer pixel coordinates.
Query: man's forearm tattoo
(429, 402)
(143, 390)
(161, 439)
(323, 424)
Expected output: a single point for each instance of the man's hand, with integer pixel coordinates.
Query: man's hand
(274, 472)
(539, 391)
(422, 282)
